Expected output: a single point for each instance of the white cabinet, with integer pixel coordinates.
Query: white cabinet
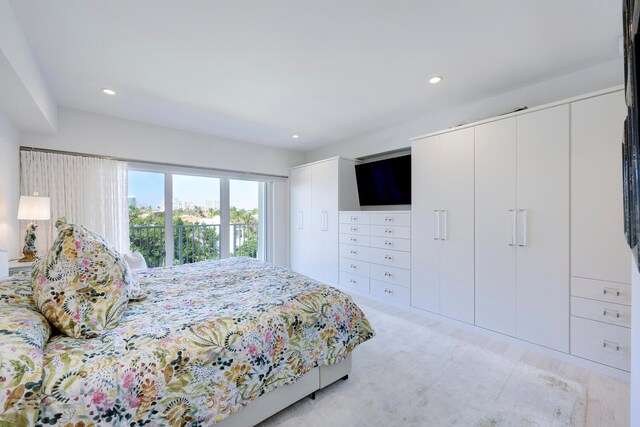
(601, 277)
(373, 262)
(442, 277)
(317, 191)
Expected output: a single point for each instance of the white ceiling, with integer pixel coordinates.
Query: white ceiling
(260, 71)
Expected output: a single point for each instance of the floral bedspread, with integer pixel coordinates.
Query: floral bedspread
(209, 338)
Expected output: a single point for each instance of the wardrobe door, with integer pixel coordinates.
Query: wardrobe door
(598, 246)
(495, 243)
(324, 240)
(300, 219)
(425, 254)
(456, 205)
(543, 227)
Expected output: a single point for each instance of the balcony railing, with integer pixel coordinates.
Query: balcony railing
(192, 242)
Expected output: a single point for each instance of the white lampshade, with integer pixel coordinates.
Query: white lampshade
(33, 208)
(4, 265)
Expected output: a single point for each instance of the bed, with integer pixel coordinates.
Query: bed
(219, 342)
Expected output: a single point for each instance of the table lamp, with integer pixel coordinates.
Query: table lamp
(32, 208)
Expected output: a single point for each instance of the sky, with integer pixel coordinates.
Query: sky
(148, 189)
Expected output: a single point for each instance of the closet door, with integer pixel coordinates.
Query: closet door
(425, 248)
(456, 204)
(598, 245)
(495, 243)
(300, 219)
(324, 241)
(543, 227)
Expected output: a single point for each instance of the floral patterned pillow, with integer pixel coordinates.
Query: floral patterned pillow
(82, 285)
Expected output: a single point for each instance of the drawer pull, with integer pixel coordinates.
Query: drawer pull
(388, 219)
(353, 267)
(352, 252)
(608, 311)
(607, 291)
(388, 243)
(612, 345)
(353, 239)
(388, 231)
(354, 218)
(354, 229)
(388, 291)
(387, 274)
(388, 258)
(353, 282)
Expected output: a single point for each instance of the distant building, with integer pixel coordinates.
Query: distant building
(132, 201)
(212, 204)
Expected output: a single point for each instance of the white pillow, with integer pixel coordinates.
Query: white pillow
(136, 261)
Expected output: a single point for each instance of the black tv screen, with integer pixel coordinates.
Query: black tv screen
(385, 182)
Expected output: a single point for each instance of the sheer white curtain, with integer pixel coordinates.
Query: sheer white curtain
(87, 191)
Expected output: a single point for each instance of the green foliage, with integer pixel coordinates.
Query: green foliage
(193, 241)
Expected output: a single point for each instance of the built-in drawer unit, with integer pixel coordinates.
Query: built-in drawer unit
(619, 293)
(397, 276)
(360, 253)
(354, 239)
(360, 229)
(354, 218)
(354, 267)
(392, 293)
(601, 311)
(390, 257)
(403, 219)
(375, 255)
(391, 231)
(391, 243)
(601, 342)
(354, 281)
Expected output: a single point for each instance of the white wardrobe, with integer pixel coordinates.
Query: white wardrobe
(517, 227)
(317, 192)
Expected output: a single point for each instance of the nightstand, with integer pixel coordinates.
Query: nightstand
(15, 267)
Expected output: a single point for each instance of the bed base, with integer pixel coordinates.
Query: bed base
(282, 397)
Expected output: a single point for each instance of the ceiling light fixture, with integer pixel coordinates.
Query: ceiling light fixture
(435, 79)
(108, 91)
(295, 136)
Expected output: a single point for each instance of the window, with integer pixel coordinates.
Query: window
(179, 218)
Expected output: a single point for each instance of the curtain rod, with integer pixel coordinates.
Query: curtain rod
(148, 162)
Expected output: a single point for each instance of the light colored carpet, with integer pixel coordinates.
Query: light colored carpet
(410, 375)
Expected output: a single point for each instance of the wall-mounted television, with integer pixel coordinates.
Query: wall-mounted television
(385, 182)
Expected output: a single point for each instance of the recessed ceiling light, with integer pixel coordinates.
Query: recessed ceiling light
(435, 79)
(109, 91)
(295, 136)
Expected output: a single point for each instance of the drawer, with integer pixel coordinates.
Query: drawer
(361, 229)
(601, 342)
(389, 257)
(360, 253)
(354, 218)
(355, 267)
(391, 231)
(619, 293)
(403, 219)
(391, 293)
(602, 311)
(391, 243)
(354, 281)
(397, 276)
(354, 239)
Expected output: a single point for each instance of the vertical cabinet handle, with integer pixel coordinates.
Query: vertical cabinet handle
(443, 223)
(523, 238)
(436, 224)
(326, 220)
(511, 227)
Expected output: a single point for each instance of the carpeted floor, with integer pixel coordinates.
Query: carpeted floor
(411, 375)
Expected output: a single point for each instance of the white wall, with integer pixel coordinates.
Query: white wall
(635, 345)
(9, 188)
(394, 138)
(84, 132)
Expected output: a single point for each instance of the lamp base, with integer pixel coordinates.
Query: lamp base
(28, 257)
